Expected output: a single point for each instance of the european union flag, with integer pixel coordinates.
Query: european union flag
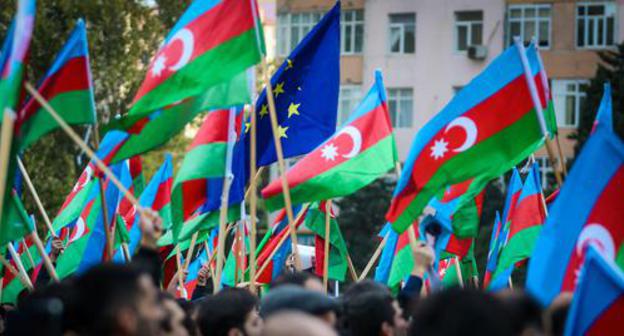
(305, 88)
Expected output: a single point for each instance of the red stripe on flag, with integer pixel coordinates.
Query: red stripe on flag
(194, 194)
(213, 129)
(528, 212)
(163, 195)
(609, 321)
(71, 77)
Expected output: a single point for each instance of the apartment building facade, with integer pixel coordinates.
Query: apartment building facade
(430, 49)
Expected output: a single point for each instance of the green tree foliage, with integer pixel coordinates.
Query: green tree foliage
(610, 69)
(123, 36)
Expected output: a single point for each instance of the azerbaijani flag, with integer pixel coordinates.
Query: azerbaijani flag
(156, 196)
(598, 303)
(151, 131)
(487, 128)
(74, 202)
(492, 256)
(269, 243)
(382, 271)
(14, 52)
(198, 185)
(587, 211)
(527, 219)
(362, 150)
(136, 171)
(460, 208)
(604, 116)
(67, 86)
(315, 221)
(213, 41)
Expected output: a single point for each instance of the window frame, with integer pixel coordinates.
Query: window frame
(578, 94)
(355, 100)
(522, 20)
(402, 30)
(577, 18)
(285, 25)
(395, 96)
(469, 25)
(353, 24)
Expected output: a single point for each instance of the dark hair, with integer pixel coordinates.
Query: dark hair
(101, 293)
(189, 308)
(526, 312)
(293, 278)
(226, 310)
(365, 313)
(460, 312)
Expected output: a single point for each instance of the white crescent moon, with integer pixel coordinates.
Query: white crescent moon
(188, 45)
(356, 136)
(79, 230)
(598, 236)
(471, 132)
(89, 173)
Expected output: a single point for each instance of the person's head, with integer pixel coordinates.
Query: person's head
(526, 312)
(231, 312)
(290, 323)
(294, 298)
(557, 313)
(303, 279)
(117, 300)
(374, 312)
(174, 323)
(460, 312)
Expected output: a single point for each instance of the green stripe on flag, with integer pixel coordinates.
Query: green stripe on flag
(75, 107)
(343, 179)
(519, 247)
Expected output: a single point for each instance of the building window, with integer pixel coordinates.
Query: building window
(352, 34)
(569, 96)
(595, 25)
(547, 174)
(400, 106)
(468, 29)
(348, 100)
(528, 21)
(402, 33)
(292, 27)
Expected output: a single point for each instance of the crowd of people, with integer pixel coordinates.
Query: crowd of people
(126, 299)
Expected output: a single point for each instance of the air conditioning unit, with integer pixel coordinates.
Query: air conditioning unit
(477, 52)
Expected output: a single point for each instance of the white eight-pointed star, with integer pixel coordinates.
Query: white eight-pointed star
(439, 148)
(329, 152)
(159, 65)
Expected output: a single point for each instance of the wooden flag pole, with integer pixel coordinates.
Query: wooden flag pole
(352, 271)
(327, 241)
(8, 120)
(28, 254)
(373, 259)
(281, 241)
(20, 267)
(538, 106)
(83, 146)
(562, 162)
(24, 280)
(47, 263)
(210, 257)
(180, 272)
(126, 252)
(253, 199)
(189, 252)
(222, 232)
(281, 164)
(35, 195)
(460, 279)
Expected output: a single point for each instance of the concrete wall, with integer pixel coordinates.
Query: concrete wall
(435, 68)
